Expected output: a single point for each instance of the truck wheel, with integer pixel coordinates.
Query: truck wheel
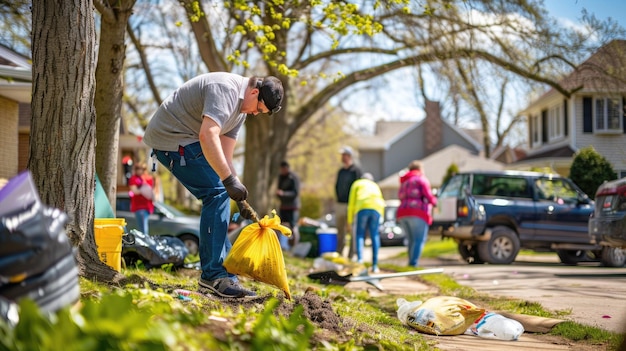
(501, 248)
(572, 257)
(469, 253)
(613, 257)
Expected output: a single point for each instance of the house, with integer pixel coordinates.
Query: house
(15, 116)
(436, 165)
(593, 115)
(15, 93)
(433, 140)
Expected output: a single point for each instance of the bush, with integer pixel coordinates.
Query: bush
(590, 169)
(452, 170)
(310, 206)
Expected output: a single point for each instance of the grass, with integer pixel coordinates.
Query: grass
(149, 317)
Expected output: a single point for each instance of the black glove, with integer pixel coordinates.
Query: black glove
(235, 189)
(244, 211)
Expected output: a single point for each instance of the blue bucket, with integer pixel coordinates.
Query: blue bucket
(327, 240)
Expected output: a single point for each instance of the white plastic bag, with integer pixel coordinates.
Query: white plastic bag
(496, 326)
(146, 191)
(405, 307)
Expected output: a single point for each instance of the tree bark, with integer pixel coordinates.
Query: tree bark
(110, 89)
(63, 121)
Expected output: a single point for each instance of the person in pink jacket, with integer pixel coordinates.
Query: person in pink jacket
(366, 205)
(414, 214)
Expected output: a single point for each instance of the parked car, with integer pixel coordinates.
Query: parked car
(607, 225)
(166, 220)
(494, 214)
(391, 234)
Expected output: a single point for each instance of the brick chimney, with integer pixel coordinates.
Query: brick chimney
(433, 128)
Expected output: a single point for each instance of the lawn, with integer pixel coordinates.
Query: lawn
(161, 310)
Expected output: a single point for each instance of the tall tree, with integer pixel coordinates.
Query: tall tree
(114, 16)
(63, 122)
(358, 43)
(334, 48)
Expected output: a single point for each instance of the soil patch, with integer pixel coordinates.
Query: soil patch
(330, 325)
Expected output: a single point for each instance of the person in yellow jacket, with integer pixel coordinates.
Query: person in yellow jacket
(366, 205)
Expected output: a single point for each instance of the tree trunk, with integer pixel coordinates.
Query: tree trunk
(62, 143)
(109, 91)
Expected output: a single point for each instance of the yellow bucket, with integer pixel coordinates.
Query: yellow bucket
(108, 234)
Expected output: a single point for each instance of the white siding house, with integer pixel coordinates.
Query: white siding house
(593, 115)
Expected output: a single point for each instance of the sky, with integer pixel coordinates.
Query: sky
(567, 12)
(571, 9)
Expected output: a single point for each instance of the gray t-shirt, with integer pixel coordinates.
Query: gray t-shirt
(177, 121)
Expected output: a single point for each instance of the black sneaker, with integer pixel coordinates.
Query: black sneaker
(225, 287)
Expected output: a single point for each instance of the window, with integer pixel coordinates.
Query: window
(607, 114)
(536, 129)
(493, 185)
(555, 118)
(556, 190)
(454, 187)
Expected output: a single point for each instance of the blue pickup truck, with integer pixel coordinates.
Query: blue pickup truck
(494, 214)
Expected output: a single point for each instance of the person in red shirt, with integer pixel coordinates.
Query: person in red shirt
(414, 213)
(141, 196)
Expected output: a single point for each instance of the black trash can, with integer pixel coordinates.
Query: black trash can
(308, 233)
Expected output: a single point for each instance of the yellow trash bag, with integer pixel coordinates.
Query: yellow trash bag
(257, 253)
(440, 315)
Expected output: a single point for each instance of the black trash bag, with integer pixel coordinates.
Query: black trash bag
(36, 258)
(31, 241)
(153, 251)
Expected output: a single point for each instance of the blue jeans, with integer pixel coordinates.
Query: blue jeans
(416, 230)
(202, 181)
(142, 217)
(367, 220)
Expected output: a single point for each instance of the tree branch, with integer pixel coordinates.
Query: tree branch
(105, 10)
(144, 64)
(333, 53)
(212, 57)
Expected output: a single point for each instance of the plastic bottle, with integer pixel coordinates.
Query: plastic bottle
(496, 326)
(322, 264)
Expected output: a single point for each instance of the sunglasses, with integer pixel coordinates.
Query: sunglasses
(274, 110)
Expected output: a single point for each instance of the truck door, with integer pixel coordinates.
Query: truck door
(562, 213)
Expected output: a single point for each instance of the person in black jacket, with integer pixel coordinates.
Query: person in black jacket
(288, 192)
(346, 175)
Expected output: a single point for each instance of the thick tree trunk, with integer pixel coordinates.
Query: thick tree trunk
(62, 143)
(265, 133)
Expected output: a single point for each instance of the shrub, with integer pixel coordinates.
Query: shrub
(590, 169)
(452, 170)
(310, 206)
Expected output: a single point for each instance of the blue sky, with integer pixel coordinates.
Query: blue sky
(568, 12)
(571, 9)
